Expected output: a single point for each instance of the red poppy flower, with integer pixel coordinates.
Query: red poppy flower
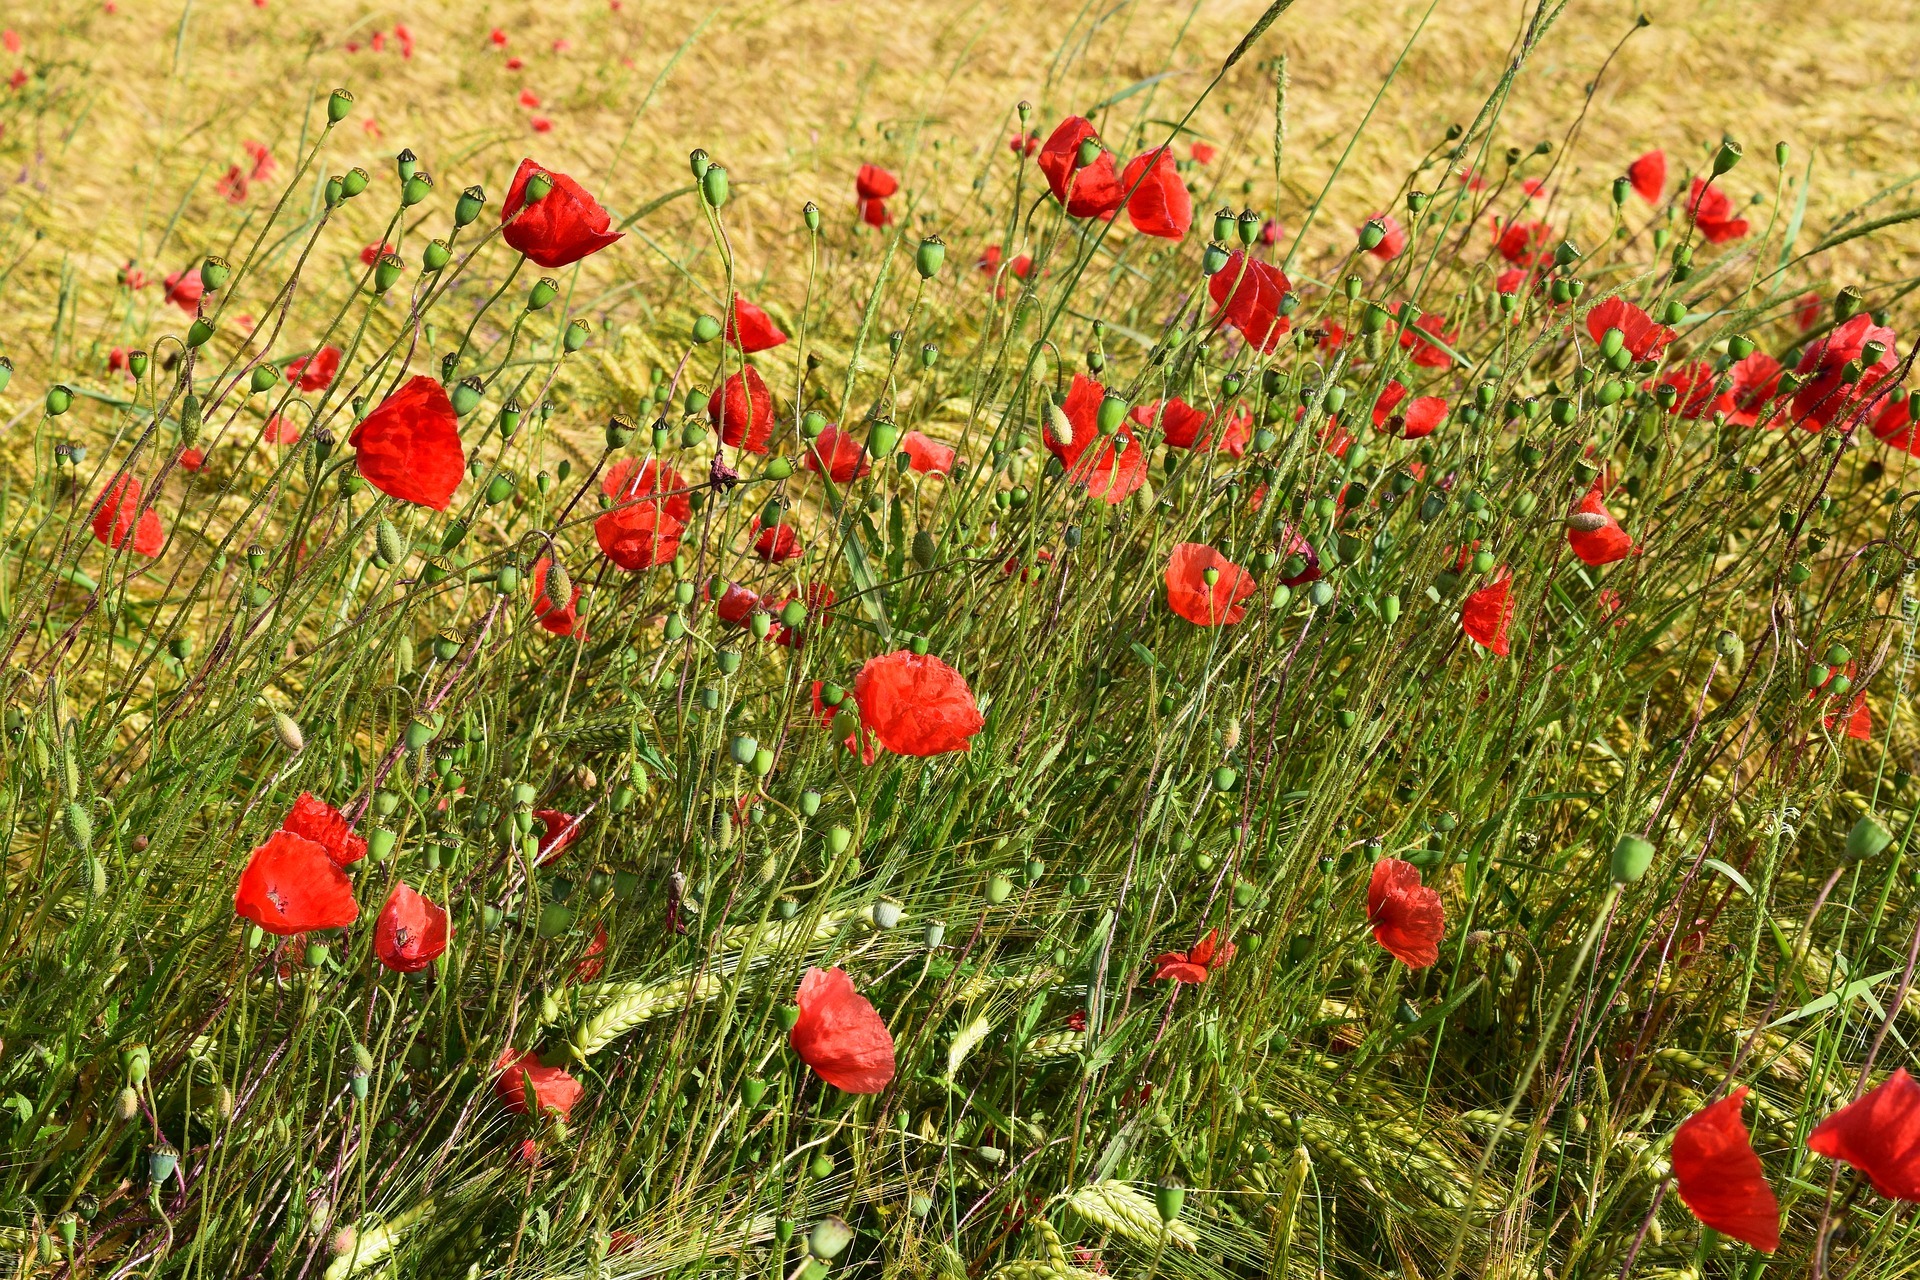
(915, 704)
(1024, 144)
(118, 519)
(777, 544)
(1159, 205)
(1595, 536)
(742, 410)
(1425, 354)
(411, 931)
(629, 481)
(184, 290)
(1407, 917)
(1720, 1178)
(193, 459)
(1756, 381)
(737, 605)
(409, 447)
(316, 371)
(514, 64)
(1393, 242)
(1488, 612)
(1712, 212)
(839, 1035)
(1524, 244)
(752, 329)
(1879, 1135)
(132, 277)
(529, 99)
(1292, 544)
(1196, 965)
(280, 430)
(558, 830)
(290, 886)
(1091, 192)
(1894, 424)
(927, 455)
(1270, 233)
(1648, 175)
(232, 184)
(312, 818)
(869, 747)
(554, 1091)
(1254, 305)
(1111, 467)
(1180, 423)
(1696, 390)
(1806, 311)
(1420, 418)
(564, 227)
(1643, 339)
(560, 620)
(1509, 281)
(639, 536)
(1189, 595)
(1202, 153)
(1824, 396)
(874, 183)
(836, 452)
(874, 213)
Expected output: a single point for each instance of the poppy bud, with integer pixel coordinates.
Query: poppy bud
(287, 729)
(810, 214)
(59, 399)
(466, 395)
(387, 539)
(469, 205)
(1372, 232)
(1631, 858)
(705, 330)
(353, 182)
(1867, 839)
(161, 1162)
(386, 272)
(829, 1237)
(1214, 259)
(436, 255)
(1727, 157)
(1088, 152)
(713, 185)
(933, 252)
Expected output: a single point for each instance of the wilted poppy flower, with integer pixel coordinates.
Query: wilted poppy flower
(1756, 381)
(1196, 965)
(558, 831)
(1524, 244)
(561, 620)
(1159, 205)
(638, 536)
(1696, 390)
(1825, 395)
(1393, 241)
(839, 1035)
(1425, 353)
(838, 454)
(915, 704)
(742, 410)
(1111, 467)
(1253, 306)
(628, 480)
(1720, 1178)
(1487, 613)
(1879, 1135)
(1291, 543)
(1642, 338)
(737, 605)
(562, 228)
(869, 747)
(517, 1074)
(316, 371)
(927, 455)
(777, 543)
(1595, 536)
(184, 290)
(752, 329)
(1712, 212)
(1091, 192)
(290, 886)
(312, 818)
(1407, 918)
(409, 447)
(1648, 175)
(1190, 596)
(411, 931)
(118, 520)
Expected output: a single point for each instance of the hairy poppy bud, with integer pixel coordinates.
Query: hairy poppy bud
(287, 729)
(436, 255)
(538, 186)
(829, 1238)
(933, 252)
(1631, 858)
(1215, 259)
(544, 291)
(1867, 839)
(77, 823)
(469, 205)
(713, 185)
(59, 399)
(810, 214)
(339, 102)
(392, 547)
(1727, 157)
(705, 329)
(466, 395)
(353, 182)
(386, 272)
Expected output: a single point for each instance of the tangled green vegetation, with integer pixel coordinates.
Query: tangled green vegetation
(1614, 654)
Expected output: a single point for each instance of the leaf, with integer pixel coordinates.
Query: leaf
(1731, 874)
(1132, 89)
(1855, 990)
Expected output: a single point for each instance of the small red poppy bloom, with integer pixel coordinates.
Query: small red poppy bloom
(312, 818)
(184, 290)
(629, 481)
(11, 39)
(752, 329)
(1643, 339)
(742, 410)
(280, 430)
(554, 1091)
(1524, 244)
(639, 536)
(1189, 595)
(1648, 175)
(1111, 467)
(1806, 311)
(132, 277)
(1509, 281)
(778, 543)
(737, 605)
(558, 830)
(1597, 543)
(291, 886)
(1756, 381)
(232, 184)
(560, 620)
(1712, 211)
(1270, 233)
(838, 454)
(514, 63)
(1091, 192)
(1202, 153)
(916, 705)
(1253, 305)
(118, 520)
(1181, 424)
(1160, 205)
(529, 99)
(1696, 390)
(1487, 613)
(1407, 917)
(411, 932)
(927, 455)
(869, 748)
(498, 37)
(373, 252)
(1894, 424)
(1024, 144)
(1419, 419)
(1719, 1177)
(540, 124)
(193, 459)
(1425, 353)
(564, 227)
(1825, 396)
(1879, 1134)
(1394, 240)
(591, 963)
(409, 447)
(1196, 965)
(874, 183)
(316, 371)
(874, 213)
(839, 1035)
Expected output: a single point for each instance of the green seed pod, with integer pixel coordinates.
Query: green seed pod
(1631, 858)
(539, 184)
(1215, 259)
(810, 214)
(1225, 778)
(339, 103)
(380, 843)
(417, 188)
(578, 331)
(353, 182)
(932, 252)
(466, 395)
(199, 332)
(1727, 157)
(1168, 1198)
(713, 185)
(162, 1161)
(999, 888)
(705, 330)
(1113, 411)
(1867, 839)
(214, 272)
(1372, 233)
(468, 206)
(544, 291)
(830, 1236)
(77, 823)
(59, 399)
